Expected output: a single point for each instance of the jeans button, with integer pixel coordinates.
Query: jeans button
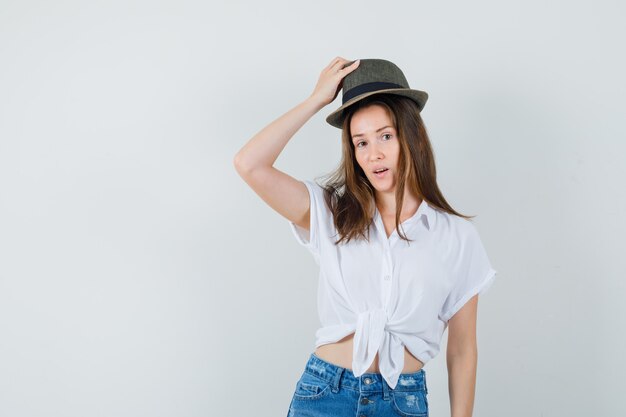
(367, 381)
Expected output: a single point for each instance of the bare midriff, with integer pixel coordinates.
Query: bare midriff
(340, 354)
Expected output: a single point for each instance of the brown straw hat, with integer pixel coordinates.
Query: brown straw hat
(373, 76)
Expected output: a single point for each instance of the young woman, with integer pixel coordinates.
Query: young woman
(386, 292)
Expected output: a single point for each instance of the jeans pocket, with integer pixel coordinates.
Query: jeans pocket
(410, 403)
(311, 387)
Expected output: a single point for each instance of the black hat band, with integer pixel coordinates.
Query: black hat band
(367, 88)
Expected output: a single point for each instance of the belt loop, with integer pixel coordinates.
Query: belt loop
(425, 384)
(385, 389)
(337, 379)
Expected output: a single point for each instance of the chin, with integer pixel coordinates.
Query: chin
(383, 187)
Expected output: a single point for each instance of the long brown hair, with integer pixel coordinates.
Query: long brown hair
(348, 192)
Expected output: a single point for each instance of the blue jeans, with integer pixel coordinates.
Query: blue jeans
(326, 389)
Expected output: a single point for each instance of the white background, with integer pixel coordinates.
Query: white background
(141, 276)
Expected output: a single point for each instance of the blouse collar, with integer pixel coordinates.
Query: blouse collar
(424, 210)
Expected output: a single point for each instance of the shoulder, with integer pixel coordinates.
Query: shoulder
(314, 186)
(317, 193)
(453, 225)
(455, 236)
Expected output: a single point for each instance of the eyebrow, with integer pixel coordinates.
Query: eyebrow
(362, 134)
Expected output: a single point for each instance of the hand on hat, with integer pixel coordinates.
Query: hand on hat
(331, 79)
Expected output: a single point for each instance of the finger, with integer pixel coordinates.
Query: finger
(340, 66)
(340, 63)
(349, 68)
(333, 63)
(352, 64)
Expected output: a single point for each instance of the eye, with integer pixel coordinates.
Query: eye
(387, 134)
(358, 143)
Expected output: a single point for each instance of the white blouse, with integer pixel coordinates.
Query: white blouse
(389, 292)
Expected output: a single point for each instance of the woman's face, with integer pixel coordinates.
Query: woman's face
(376, 146)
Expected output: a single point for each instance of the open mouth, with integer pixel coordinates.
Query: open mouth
(381, 173)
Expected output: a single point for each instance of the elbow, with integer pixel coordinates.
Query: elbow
(466, 352)
(237, 160)
(462, 345)
(246, 167)
(240, 165)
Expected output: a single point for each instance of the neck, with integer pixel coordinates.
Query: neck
(386, 204)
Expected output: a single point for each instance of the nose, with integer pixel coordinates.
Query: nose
(376, 153)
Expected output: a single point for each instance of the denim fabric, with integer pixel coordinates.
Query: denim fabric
(328, 390)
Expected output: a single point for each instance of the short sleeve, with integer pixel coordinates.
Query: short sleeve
(472, 273)
(310, 238)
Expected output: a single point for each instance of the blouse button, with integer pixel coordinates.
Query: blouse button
(387, 277)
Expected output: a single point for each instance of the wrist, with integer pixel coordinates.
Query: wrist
(316, 102)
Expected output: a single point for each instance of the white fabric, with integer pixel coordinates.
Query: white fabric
(389, 292)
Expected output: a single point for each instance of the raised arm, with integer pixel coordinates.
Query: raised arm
(255, 160)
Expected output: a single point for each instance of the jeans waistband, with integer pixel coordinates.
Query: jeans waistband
(368, 382)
